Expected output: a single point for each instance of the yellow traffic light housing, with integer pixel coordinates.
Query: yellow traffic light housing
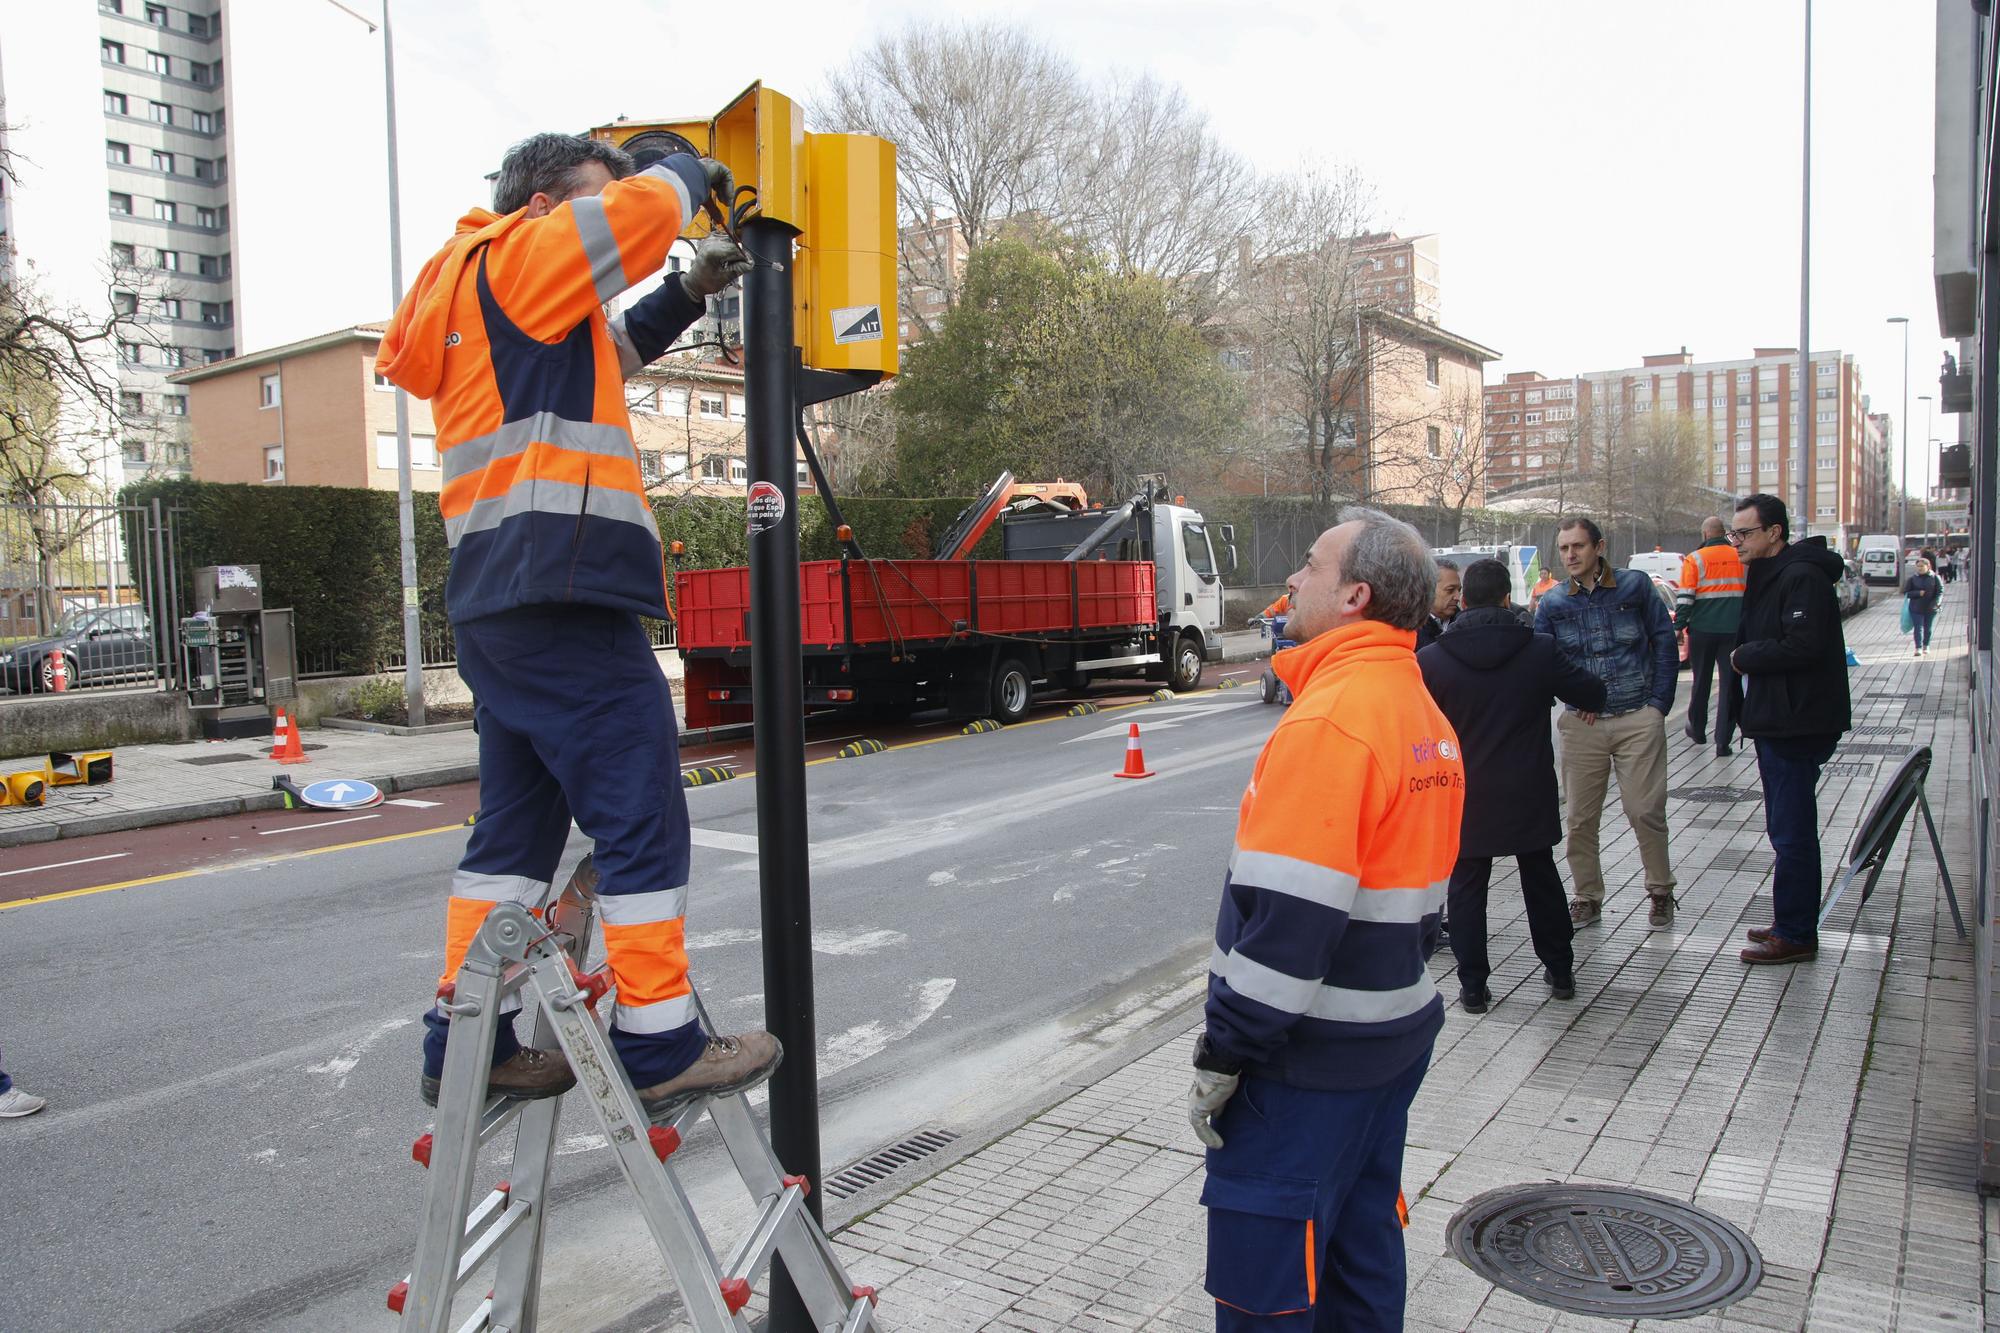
(838, 191)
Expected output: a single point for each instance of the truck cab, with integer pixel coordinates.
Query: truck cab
(1191, 557)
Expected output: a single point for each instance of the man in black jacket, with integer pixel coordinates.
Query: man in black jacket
(1444, 605)
(1793, 659)
(1496, 679)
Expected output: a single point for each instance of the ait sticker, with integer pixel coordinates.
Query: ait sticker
(857, 324)
(765, 507)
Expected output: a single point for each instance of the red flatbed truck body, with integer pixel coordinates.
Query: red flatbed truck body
(896, 632)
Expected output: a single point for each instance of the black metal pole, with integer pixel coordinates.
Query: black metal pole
(777, 688)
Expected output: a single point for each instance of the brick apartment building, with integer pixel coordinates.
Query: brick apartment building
(1402, 274)
(314, 413)
(1539, 427)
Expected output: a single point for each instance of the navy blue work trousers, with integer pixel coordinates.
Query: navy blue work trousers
(1789, 766)
(1303, 1231)
(576, 719)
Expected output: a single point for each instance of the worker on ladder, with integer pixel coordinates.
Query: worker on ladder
(554, 557)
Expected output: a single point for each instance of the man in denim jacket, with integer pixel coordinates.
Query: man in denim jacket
(1614, 624)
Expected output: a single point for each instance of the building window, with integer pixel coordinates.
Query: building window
(1531, 396)
(204, 122)
(804, 477)
(205, 217)
(1430, 368)
(1402, 261)
(1829, 416)
(114, 103)
(269, 392)
(156, 15)
(121, 203)
(1826, 511)
(1824, 368)
(124, 255)
(198, 25)
(215, 312)
(1432, 441)
(162, 113)
(112, 53)
(737, 406)
(739, 470)
(169, 260)
(713, 405)
(1534, 419)
(174, 356)
(204, 170)
(163, 161)
(215, 354)
(674, 401)
(200, 73)
(1402, 286)
(125, 303)
(714, 468)
(132, 404)
(1377, 263)
(165, 210)
(170, 307)
(129, 353)
(214, 266)
(274, 462)
(118, 154)
(157, 62)
(133, 452)
(175, 404)
(644, 400)
(382, 383)
(423, 452)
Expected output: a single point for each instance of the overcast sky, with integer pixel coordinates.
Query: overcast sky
(1608, 179)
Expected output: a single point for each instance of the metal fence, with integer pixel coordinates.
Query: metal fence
(439, 648)
(95, 586)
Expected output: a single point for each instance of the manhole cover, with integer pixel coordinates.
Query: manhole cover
(1601, 1251)
(1716, 795)
(204, 760)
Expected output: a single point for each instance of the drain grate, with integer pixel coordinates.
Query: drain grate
(890, 1160)
(1897, 694)
(1836, 769)
(204, 760)
(1601, 1251)
(1716, 795)
(1878, 729)
(1875, 747)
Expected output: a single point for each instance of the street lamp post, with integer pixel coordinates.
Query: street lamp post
(1805, 446)
(1903, 431)
(406, 521)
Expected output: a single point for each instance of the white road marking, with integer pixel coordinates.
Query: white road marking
(858, 1043)
(413, 803)
(833, 943)
(1150, 719)
(324, 823)
(341, 1065)
(745, 843)
(58, 865)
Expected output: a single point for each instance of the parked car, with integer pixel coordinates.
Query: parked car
(101, 646)
(1853, 587)
(1667, 588)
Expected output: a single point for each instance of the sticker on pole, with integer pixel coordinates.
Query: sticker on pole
(857, 324)
(765, 507)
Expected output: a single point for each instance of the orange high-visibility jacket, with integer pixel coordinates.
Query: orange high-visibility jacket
(1710, 596)
(504, 331)
(1345, 842)
(1281, 607)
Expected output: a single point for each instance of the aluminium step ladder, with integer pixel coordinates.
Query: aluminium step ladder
(517, 952)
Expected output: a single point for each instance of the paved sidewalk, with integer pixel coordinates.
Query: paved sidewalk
(1825, 1108)
(167, 784)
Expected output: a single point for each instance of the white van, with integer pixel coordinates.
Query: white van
(1658, 564)
(1878, 558)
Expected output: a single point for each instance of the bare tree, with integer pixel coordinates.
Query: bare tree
(980, 113)
(1671, 468)
(1155, 190)
(1448, 472)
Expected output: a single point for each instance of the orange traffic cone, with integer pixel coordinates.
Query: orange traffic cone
(1135, 758)
(285, 745)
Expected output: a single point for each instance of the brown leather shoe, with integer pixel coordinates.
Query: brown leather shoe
(1775, 950)
(1759, 934)
(1583, 912)
(729, 1064)
(528, 1074)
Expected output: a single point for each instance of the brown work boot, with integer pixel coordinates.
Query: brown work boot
(1759, 934)
(729, 1064)
(1583, 912)
(1662, 915)
(528, 1074)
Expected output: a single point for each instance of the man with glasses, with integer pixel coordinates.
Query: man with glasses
(1793, 659)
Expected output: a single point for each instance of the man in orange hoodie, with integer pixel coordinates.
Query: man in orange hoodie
(555, 556)
(1321, 1011)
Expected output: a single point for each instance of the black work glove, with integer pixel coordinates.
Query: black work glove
(718, 261)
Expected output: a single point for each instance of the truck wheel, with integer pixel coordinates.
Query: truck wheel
(1184, 672)
(1013, 690)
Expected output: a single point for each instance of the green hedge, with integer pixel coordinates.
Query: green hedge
(331, 553)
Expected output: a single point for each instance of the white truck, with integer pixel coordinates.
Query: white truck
(1880, 552)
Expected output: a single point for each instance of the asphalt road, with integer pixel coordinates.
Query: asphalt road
(229, 1044)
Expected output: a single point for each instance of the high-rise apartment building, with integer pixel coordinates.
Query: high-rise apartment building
(1540, 428)
(119, 127)
(1400, 273)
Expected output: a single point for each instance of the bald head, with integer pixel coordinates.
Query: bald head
(1713, 529)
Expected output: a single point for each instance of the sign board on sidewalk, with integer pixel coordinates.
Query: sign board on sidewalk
(341, 794)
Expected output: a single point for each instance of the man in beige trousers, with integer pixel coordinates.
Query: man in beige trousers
(1614, 624)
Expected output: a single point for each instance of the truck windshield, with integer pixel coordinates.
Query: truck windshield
(1194, 545)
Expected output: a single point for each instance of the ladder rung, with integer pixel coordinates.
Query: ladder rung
(755, 1249)
(482, 1318)
(476, 1222)
(489, 1240)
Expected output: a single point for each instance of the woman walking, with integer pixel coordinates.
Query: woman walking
(1920, 595)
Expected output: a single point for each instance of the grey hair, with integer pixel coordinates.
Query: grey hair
(547, 164)
(1390, 557)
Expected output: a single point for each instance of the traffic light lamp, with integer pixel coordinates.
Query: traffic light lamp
(837, 191)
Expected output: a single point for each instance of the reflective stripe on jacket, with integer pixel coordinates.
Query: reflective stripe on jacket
(505, 333)
(1710, 598)
(1345, 842)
